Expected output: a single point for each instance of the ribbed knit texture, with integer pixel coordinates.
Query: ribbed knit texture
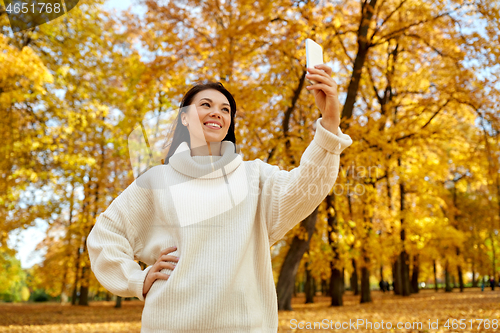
(223, 214)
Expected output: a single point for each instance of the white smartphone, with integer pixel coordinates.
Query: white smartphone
(314, 55)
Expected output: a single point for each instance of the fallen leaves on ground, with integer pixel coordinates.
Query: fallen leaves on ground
(102, 317)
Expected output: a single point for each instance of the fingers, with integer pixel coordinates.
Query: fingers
(161, 276)
(317, 78)
(168, 258)
(320, 71)
(326, 68)
(156, 269)
(321, 77)
(168, 250)
(328, 90)
(164, 265)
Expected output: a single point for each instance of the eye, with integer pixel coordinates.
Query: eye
(225, 109)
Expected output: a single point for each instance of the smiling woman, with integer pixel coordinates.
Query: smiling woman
(203, 221)
(205, 119)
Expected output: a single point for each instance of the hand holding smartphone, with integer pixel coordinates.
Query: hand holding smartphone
(314, 55)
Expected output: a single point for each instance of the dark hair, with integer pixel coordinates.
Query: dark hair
(181, 133)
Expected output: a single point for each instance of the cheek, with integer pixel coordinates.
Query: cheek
(227, 121)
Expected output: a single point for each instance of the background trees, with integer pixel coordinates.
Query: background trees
(419, 187)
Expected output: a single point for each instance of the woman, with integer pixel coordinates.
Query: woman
(204, 221)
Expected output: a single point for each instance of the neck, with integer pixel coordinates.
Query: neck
(207, 149)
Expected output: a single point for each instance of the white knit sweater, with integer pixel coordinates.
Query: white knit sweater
(223, 214)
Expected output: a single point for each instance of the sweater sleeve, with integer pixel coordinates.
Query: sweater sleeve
(287, 197)
(113, 242)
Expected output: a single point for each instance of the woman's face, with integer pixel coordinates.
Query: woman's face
(208, 117)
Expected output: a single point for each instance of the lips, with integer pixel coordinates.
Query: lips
(213, 124)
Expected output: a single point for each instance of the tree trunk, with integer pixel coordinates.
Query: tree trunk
(447, 287)
(354, 278)
(365, 273)
(405, 273)
(365, 285)
(84, 288)
(435, 275)
(404, 259)
(118, 303)
(85, 280)
(77, 276)
(494, 255)
(414, 275)
(474, 280)
(324, 289)
(286, 280)
(309, 287)
(83, 251)
(336, 280)
(367, 11)
(460, 278)
(396, 275)
(336, 287)
(64, 297)
(343, 280)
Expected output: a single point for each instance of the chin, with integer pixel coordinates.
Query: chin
(213, 139)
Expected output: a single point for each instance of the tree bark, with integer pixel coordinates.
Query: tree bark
(85, 279)
(343, 280)
(367, 11)
(447, 287)
(460, 278)
(118, 303)
(64, 297)
(365, 285)
(414, 275)
(354, 278)
(396, 275)
(84, 293)
(324, 288)
(309, 287)
(474, 280)
(405, 274)
(404, 259)
(435, 275)
(77, 275)
(494, 259)
(336, 288)
(336, 279)
(286, 280)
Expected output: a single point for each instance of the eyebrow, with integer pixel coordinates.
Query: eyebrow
(208, 99)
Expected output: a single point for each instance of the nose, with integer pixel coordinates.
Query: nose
(216, 113)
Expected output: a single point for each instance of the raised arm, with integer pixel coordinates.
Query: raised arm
(288, 197)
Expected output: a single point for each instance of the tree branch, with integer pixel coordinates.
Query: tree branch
(377, 29)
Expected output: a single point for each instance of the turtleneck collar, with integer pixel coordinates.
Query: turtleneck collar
(205, 166)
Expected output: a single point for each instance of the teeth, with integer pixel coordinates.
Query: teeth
(213, 124)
